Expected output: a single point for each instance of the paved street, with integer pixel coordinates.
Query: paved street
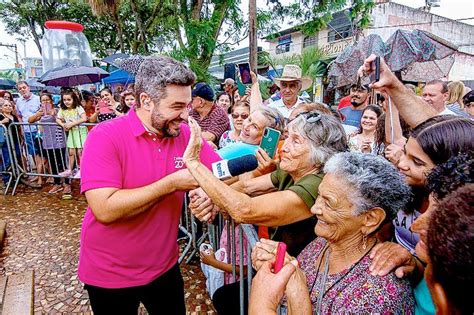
(43, 235)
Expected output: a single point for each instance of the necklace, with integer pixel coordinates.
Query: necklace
(322, 283)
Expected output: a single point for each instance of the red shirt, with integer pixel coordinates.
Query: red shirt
(215, 122)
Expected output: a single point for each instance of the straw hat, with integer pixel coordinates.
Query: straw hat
(293, 73)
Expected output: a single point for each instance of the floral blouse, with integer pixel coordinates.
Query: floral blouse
(358, 291)
(225, 139)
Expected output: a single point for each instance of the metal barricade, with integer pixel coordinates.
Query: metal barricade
(47, 151)
(6, 159)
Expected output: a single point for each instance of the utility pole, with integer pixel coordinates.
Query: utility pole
(15, 51)
(253, 35)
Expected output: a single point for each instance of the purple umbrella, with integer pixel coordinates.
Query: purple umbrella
(419, 55)
(71, 75)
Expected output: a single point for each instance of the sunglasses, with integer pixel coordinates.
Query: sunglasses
(243, 115)
(310, 117)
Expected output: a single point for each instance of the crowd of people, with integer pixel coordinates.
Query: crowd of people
(373, 199)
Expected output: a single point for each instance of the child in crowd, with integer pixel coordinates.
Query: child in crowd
(70, 116)
(127, 101)
(54, 144)
(89, 105)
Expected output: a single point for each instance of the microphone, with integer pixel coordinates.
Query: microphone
(228, 168)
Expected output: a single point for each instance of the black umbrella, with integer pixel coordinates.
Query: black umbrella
(112, 59)
(71, 75)
(6, 84)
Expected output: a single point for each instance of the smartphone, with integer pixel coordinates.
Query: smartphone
(104, 108)
(244, 70)
(46, 108)
(280, 257)
(375, 76)
(269, 142)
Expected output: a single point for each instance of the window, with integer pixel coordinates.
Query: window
(339, 33)
(310, 41)
(283, 48)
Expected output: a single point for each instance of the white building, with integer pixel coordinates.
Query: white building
(386, 18)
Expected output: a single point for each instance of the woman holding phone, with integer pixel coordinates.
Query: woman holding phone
(364, 139)
(107, 106)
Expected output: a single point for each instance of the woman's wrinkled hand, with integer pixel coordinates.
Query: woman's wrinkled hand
(268, 288)
(195, 143)
(265, 250)
(265, 163)
(390, 256)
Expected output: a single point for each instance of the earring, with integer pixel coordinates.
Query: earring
(364, 242)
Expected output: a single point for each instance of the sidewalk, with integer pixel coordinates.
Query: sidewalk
(43, 235)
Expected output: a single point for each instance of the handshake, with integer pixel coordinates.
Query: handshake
(202, 206)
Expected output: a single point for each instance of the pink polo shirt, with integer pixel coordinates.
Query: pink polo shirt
(121, 153)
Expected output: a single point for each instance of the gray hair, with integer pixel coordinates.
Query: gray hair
(375, 182)
(274, 117)
(326, 136)
(157, 72)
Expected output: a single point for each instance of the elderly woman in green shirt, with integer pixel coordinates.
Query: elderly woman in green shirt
(284, 197)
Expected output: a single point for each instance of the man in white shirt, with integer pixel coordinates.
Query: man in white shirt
(436, 93)
(290, 83)
(29, 105)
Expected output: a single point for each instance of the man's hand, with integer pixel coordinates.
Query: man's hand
(268, 288)
(201, 205)
(387, 80)
(182, 180)
(390, 256)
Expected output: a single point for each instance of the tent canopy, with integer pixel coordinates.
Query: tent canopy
(119, 76)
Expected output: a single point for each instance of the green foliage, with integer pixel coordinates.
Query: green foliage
(191, 31)
(312, 61)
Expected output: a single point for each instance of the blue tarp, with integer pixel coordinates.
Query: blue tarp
(119, 76)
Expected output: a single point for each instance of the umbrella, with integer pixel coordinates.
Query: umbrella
(119, 76)
(343, 70)
(35, 85)
(112, 59)
(7, 84)
(71, 75)
(419, 55)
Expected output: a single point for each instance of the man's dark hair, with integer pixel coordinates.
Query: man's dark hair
(444, 85)
(22, 82)
(451, 247)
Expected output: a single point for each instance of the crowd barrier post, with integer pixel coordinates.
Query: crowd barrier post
(7, 165)
(43, 150)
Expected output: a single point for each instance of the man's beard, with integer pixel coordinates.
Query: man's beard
(355, 104)
(162, 126)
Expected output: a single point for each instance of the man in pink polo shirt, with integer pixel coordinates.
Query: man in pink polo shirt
(134, 180)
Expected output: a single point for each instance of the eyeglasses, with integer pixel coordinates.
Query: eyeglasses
(243, 115)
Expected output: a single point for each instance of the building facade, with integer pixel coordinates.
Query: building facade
(386, 18)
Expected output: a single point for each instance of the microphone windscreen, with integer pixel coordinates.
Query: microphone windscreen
(242, 164)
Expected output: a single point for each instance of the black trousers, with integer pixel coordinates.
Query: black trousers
(226, 299)
(164, 295)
